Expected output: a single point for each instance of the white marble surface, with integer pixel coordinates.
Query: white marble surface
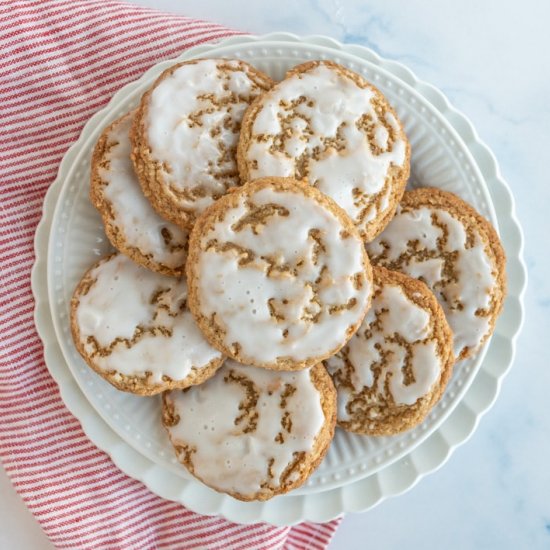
(491, 59)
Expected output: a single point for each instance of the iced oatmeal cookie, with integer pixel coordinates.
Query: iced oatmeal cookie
(278, 275)
(133, 328)
(396, 366)
(253, 433)
(326, 124)
(438, 238)
(185, 133)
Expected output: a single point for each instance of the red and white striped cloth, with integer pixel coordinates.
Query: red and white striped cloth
(62, 61)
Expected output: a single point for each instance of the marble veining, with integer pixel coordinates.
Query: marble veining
(486, 57)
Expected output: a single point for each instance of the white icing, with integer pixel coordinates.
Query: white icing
(239, 295)
(189, 149)
(227, 458)
(120, 301)
(473, 267)
(133, 216)
(337, 100)
(397, 315)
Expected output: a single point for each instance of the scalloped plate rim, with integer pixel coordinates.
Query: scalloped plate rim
(92, 423)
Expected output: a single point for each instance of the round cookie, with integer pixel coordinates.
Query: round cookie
(440, 239)
(131, 224)
(253, 433)
(278, 275)
(185, 133)
(396, 366)
(327, 124)
(132, 327)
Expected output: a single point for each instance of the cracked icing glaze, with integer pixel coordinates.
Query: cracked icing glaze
(281, 276)
(193, 121)
(322, 125)
(129, 211)
(232, 427)
(132, 321)
(456, 266)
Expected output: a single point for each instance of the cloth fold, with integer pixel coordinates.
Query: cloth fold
(61, 62)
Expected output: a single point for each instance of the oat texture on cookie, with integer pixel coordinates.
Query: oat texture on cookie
(441, 240)
(253, 433)
(328, 125)
(278, 275)
(396, 366)
(131, 224)
(132, 326)
(186, 131)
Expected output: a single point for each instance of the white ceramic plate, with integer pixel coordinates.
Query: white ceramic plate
(358, 471)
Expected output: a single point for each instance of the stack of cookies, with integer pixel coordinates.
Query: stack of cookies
(273, 277)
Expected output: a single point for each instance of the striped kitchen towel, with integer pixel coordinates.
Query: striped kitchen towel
(61, 62)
